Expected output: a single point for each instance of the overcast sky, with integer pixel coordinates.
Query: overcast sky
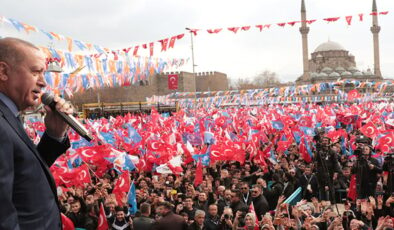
(123, 23)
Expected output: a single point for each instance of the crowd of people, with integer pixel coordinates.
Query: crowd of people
(249, 195)
(298, 166)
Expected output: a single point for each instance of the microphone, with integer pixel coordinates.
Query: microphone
(47, 99)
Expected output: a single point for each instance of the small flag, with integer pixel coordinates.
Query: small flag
(295, 197)
(132, 200)
(102, 221)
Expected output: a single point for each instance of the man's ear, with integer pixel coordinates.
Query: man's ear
(4, 69)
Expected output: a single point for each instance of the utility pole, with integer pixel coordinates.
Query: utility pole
(194, 65)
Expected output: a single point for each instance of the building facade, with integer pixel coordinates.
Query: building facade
(330, 61)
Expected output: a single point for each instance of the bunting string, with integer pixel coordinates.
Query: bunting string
(168, 43)
(289, 94)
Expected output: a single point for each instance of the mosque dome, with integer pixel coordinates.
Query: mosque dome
(326, 70)
(346, 74)
(322, 75)
(314, 74)
(328, 46)
(340, 69)
(353, 69)
(358, 74)
(334, 74)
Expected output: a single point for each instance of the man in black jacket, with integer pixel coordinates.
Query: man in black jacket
(169, 220)
(28, 197)
(246, 197)
(309, 184)
(366, 169)
(212, 220)
(236, 203)
(327, 168)
(224, 201)
(259, 202)
(144, 222)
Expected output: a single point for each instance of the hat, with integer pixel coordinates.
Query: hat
(363, 139)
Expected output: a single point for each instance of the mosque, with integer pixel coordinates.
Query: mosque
(330, 61)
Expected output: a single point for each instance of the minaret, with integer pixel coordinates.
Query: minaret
(375, 29)
(304, 29)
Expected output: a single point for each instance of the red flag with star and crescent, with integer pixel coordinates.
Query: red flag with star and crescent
(173, 81)
(369, 130)
(352, 193)
(102, 221)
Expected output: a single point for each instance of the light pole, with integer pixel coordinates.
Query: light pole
(194, 74)
(191, 39)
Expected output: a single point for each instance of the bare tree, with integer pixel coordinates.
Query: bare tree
(263, 80)
(266, 79)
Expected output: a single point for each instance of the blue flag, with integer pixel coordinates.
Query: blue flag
(294, 197)
(277, 125)
(132, 200)
(133, 134)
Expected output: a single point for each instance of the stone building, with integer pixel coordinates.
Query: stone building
(330, 61)
(156, 85)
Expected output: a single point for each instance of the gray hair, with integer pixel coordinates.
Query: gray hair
(10, 51)
(199, 213)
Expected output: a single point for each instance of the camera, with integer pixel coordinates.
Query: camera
(226, 216)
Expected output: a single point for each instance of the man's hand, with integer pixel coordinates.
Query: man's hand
(55, 125)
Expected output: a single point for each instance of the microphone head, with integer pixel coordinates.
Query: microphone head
(47, 98)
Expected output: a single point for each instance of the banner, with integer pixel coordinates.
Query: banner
(173, 81)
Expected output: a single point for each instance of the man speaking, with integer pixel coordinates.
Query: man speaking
(28, 197)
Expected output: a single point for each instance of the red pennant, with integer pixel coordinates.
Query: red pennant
(374, 13)
(281, 24)
(115, 55)
(267, 26)
(214, 31)
(173, 81)
(234, 29)
(334, 19)
(164, 44)
(361, 16)
(352, 192)
(127, 50)
(310, 21)
(102, 220)
(144, 46)
(292, 23)
(260, 27)
(349, 20)
(172, 42)
(180, 36)
(384, 13)
(135, 51)
(67, 224)
(151, 48)
(194, 31)
(245, 28)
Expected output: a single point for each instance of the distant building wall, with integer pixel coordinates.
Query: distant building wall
(211, 81)
(157, 85)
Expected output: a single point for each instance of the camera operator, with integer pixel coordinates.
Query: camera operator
(366, 168)
(327, 166)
